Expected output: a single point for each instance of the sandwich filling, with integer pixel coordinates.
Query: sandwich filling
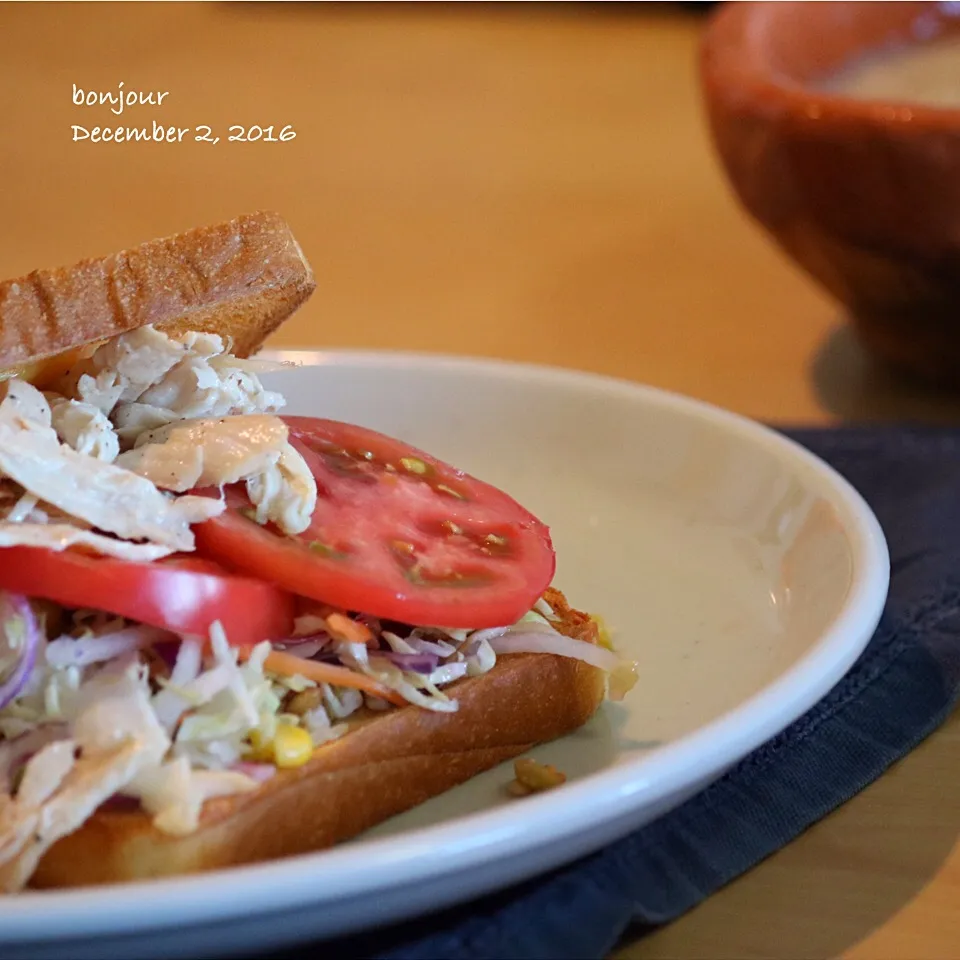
(125, 461)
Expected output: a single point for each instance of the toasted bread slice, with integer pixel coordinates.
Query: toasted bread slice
(387, 763)
(240, 279)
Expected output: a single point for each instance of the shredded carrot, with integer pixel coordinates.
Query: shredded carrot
(343, 628)
(288, 664)
(340, 626)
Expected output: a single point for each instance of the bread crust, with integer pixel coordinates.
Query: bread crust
(385, 764)
(241, 278)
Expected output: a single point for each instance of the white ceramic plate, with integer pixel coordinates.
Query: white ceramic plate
(742, 573)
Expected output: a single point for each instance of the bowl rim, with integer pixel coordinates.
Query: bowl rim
(728, 59)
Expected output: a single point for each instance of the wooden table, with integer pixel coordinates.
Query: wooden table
(530, 183)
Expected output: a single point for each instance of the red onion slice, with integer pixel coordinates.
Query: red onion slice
(541, 641)
(437, 647)
(417, 662)
(168, 651)
(16, 613)
(321, 637)
(305, 647)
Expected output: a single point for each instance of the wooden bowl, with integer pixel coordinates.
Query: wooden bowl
(863, 194)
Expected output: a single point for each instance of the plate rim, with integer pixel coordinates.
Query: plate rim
(115, 909)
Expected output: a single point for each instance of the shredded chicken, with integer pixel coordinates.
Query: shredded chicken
(284, 492)
(121, 369)
(116, 736)
(32, 828)
(24, 508)
(17, 749)
(130, 420)
(144, 379)
(106, 496)
(84, 428)
(25, 401)
(214, 386)
(45, 772)
(61, 536)
(191, 453)
(186, 413)
(199, 453)
(18, 506)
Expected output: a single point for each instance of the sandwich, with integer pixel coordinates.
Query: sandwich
(227, 634)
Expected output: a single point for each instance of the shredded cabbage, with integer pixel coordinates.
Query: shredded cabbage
(200, 717)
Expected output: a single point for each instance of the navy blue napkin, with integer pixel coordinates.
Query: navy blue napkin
(900, 690)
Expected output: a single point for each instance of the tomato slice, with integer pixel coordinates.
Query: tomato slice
(184, 595)
(396, 533)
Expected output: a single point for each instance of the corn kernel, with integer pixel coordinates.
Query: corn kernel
(261, 751)
(292, 746)
(533, 777)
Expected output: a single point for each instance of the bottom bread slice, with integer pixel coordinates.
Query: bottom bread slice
(385, 764)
